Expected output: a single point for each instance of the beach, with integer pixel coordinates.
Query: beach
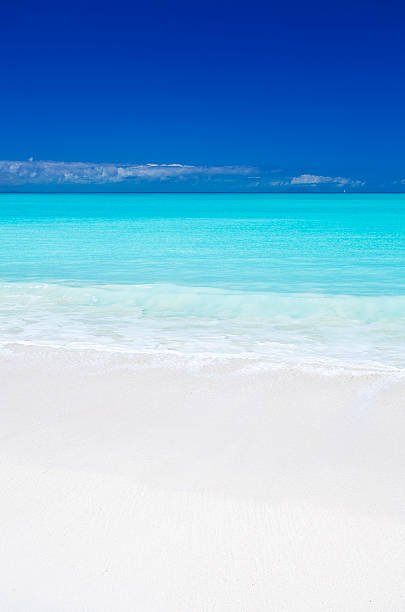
(171, 482)
(202, 402)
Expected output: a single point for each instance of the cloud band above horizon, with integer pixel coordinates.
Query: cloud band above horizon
(40, 172)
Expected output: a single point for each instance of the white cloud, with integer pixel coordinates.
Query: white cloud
(315, 179)
(59, 172)
(39, 172)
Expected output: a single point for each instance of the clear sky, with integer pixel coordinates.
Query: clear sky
(242, 96)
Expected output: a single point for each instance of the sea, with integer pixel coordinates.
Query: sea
(314, 280)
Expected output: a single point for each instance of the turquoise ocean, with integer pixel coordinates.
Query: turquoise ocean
(298, 278)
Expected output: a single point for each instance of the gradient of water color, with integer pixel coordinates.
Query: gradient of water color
(293, 278)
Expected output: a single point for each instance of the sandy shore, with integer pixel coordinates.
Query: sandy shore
(140, 483)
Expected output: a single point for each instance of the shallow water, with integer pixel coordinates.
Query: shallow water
(303, 278)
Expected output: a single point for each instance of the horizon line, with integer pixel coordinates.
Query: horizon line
(205, 192)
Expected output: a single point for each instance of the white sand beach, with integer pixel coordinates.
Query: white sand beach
(150, 484)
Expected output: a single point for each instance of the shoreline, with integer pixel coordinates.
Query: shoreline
(323, 330)
(328, 366)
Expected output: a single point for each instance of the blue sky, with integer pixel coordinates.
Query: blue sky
(181, 96)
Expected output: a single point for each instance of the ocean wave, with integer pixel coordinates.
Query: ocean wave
(169, 300)
(206, 320)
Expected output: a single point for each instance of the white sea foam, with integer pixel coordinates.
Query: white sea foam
(311, 329)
